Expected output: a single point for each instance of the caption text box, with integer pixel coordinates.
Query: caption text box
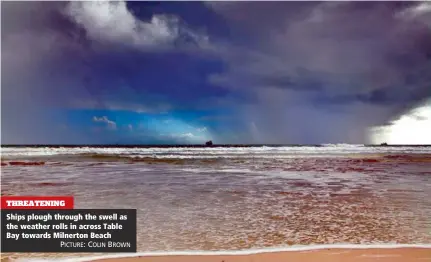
(78, 230)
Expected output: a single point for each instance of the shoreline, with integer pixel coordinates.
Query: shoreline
(323, 255)
(329, 252)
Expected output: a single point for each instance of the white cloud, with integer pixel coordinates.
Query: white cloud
(188, 137)
(112, 21)
(413, 127)
(104, 119)
(182, 135)
(421, 10)
(202, 129)
(185, 135)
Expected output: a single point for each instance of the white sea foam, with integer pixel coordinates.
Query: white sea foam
(229, 252)
(213, 152)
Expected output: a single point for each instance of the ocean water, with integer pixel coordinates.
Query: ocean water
(236, 198)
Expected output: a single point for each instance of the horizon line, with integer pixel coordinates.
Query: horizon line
(213, 145)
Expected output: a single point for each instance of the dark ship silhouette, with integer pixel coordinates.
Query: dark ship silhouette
(209, 143)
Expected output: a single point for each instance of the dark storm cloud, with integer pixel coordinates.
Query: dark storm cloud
(293, 72)
(31, 43)
(359, 57)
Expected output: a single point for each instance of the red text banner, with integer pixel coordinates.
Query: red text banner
(37, 202)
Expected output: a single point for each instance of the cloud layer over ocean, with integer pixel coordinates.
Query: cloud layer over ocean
(258, 72)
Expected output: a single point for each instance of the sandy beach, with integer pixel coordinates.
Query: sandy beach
(398, 253)
(326, 255)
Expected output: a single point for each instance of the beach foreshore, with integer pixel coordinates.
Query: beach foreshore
(324, 255)
(420, 253)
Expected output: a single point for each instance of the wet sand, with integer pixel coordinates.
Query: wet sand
(326, 255)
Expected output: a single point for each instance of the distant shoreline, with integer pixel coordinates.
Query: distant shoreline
(202, 146)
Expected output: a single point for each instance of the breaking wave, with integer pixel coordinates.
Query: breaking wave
(107, 153)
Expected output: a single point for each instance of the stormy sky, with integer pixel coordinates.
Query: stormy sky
(234, 72)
